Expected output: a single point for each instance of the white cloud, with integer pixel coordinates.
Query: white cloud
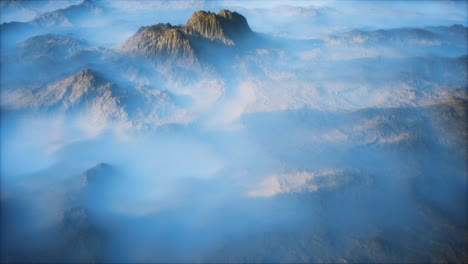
(300, 182)
(230, 109)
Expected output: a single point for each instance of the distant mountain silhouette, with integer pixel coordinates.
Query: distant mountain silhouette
(98, 175)
(50, 46)
(404, 36)
(72, 15)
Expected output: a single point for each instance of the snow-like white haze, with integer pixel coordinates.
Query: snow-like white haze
(233, 131)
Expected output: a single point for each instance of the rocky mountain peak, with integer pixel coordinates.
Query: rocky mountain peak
(77, 88)
(84, 78)
(235, 19)
(49, 46)
(208, 24)
(226, 27)
(165, 41)
(85, 90)
(69, 16)
(160, 41)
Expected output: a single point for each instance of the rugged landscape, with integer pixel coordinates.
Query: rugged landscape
(126, 137)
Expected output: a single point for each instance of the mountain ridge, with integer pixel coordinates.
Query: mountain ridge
(402, 36)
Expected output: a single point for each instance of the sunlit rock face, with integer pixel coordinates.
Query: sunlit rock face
(205, 131)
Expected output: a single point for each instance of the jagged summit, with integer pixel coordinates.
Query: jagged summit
(226, 27)
(160, 40)
(85, 80)
(78, 88)
(165, 41)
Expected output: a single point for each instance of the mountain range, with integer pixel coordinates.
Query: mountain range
(193, 49)
(131, 141)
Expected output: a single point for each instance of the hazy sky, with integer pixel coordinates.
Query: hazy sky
(312, 19)
(290, 18)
